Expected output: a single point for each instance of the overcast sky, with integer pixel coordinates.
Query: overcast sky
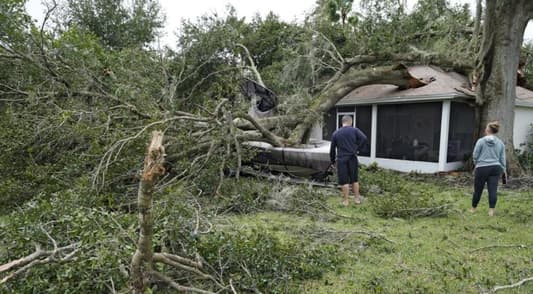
(176, 10)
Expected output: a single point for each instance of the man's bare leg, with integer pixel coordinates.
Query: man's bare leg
(355, 187)
(345, 193)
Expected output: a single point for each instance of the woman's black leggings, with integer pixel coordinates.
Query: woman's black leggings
(490, 175)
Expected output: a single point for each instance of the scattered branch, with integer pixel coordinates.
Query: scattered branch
(252, 66)
(40, 256)
(367, 233)
(517, 284)
(177, 286)
(519, 246)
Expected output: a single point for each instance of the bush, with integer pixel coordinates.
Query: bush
(397, 195)
(410, 204)
(257, 259)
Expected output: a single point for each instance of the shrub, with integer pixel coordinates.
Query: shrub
(257, 259)
(396, 195)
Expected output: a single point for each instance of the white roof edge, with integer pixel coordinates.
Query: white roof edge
(524, 104)
(394, 99)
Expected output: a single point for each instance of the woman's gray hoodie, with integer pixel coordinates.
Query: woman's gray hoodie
(489, 151)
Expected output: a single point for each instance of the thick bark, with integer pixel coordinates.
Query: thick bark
(396, 75)
(141, 263)
(504, 25)
(475, 37)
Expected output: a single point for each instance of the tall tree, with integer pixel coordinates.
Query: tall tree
(503, 32)
(118, 24)
(339, 10)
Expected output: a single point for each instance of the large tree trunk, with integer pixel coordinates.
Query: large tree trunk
(504, 25)
(397, 75)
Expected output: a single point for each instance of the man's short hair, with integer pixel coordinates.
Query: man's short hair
(347, 120)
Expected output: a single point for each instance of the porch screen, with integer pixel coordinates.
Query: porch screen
(461, 134)
(363, 121)
(409, 131)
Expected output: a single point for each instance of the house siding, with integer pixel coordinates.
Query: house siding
(523, 124)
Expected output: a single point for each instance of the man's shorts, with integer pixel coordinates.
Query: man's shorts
(347, 172)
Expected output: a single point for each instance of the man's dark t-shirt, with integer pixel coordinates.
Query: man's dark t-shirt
(347, 140)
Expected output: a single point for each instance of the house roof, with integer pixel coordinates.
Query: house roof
(441, 85)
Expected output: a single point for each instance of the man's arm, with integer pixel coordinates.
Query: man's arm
(361, 138)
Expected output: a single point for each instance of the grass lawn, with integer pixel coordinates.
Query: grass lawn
(458, 253)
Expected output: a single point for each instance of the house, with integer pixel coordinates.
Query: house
(428, 129)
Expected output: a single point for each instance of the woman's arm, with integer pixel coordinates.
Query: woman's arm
(477, 151)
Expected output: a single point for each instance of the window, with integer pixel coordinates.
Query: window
(363, 121)
(461, 134)
(409, 131)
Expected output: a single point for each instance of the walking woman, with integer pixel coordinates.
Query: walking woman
(489, 159)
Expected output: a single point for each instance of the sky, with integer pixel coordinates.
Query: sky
(176, 11)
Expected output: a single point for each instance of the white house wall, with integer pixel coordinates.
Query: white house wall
(523, 120)
(410, 166)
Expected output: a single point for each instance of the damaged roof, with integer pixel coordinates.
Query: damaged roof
(441, 85)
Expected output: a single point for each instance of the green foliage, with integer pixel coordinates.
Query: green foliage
(212, 62)
(338, 10)
(116, 23)
(243, 196)
(106, 244)
(257, 259)
(383, 27)
(395, 196)
(13, 21)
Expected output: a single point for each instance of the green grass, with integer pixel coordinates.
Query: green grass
(428, 255)
(456, 253)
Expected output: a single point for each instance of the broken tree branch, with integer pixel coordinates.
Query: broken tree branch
(141, 263)
(252, 66)
(177, 286)
(40, 256)
(517, 284)
(519, 246)
(272, 138)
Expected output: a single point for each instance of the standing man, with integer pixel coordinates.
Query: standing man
(345, 143)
